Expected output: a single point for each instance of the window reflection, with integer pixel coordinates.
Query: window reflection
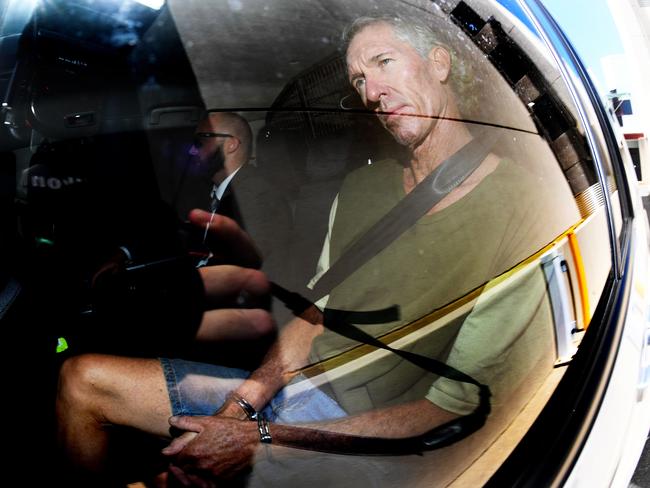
(443, 98)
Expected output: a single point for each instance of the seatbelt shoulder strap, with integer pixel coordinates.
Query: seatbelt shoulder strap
(447, 176)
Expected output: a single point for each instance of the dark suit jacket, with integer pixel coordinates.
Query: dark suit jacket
(263, 212)
(256, 205)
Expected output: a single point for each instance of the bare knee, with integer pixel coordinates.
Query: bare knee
(114, 390)
(84, 383)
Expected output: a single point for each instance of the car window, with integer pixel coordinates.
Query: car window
(315, 144)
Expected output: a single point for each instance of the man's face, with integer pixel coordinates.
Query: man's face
(206, 153)
(391, 77)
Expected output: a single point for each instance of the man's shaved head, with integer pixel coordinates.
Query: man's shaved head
(236, 125)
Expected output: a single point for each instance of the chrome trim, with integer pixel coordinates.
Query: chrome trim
(592, 198)
(571, 70)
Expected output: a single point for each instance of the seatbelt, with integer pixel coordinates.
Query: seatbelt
(339, 321)
(437, 185)
(447, 176)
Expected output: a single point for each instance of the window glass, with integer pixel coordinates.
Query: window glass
(424, 179)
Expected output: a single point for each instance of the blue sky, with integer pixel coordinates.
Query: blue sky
(589, 26)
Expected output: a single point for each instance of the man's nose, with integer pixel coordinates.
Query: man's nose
(375, 90)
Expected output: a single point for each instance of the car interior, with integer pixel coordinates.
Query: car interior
(100, 103)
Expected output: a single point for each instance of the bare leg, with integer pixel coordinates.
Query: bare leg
(97, 391)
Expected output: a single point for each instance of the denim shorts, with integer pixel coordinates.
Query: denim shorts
(201, 388)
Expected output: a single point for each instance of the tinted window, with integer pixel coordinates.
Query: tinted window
(120, 119)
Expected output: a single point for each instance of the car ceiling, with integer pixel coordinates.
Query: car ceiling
(244, 52)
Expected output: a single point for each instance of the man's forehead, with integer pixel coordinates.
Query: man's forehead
(211, 123)
(370, 41)
(373, 33)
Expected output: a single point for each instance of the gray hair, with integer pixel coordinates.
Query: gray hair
(413, 31)
(423, 37)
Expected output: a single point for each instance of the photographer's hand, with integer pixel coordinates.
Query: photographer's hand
(226, 287)
(116, 264)
(227, 241)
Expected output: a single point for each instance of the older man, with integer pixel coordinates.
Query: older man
(404, 76)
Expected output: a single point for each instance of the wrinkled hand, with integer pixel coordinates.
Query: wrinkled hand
(221, 448)
(229, 410)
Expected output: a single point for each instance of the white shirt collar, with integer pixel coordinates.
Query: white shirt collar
(218, 191)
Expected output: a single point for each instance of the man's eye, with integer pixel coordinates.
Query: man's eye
(385, 61)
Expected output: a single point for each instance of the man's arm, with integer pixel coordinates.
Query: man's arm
(406, 420)
(291, 351)
(283, 361)
(225, 446)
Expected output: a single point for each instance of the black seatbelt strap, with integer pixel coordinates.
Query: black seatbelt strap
(339, 321)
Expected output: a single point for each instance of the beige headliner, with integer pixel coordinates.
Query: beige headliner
(245, 64)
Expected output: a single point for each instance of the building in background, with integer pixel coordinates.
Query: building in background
(632, 69)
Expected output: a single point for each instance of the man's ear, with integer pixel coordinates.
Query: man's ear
(440, 60)
(231, 145)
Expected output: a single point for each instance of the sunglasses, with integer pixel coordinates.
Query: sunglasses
(198, 136)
